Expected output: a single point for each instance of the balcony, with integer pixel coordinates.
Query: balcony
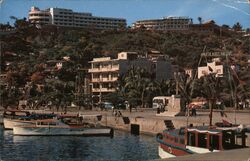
(105, 79)
(103, 89)
(104, 69)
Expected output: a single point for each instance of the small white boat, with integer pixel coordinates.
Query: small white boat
(18, 118)
(10, 123)
(10, 115)
(54, 127)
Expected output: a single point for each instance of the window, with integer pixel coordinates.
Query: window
(204, 72)
(228, 140)
(182, 141)
(105, 76)
(191, 139)
(218, 70)
(105, 85)
(96, 85)
(214, 142)
(202, 140)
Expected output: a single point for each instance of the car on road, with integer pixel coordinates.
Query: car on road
(121, 106)
(106, 106)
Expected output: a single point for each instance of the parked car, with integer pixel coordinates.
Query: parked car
(106, 106)
(121, 106)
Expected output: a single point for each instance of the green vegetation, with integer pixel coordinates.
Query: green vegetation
(25, 55)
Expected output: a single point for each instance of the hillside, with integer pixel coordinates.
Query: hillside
(24, 54)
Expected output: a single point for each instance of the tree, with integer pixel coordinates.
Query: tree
(166, 87)
(200, 20)
(137, 85)
(37, 77)
(185, 86)
(225, 26)
(237, 27)
(210, 89)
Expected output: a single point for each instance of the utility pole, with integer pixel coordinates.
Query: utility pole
(177, 83)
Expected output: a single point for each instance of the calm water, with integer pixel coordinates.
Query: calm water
(123, 146)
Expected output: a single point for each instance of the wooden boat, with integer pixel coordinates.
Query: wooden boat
(58, 127)
(13, 118)
(203, 139)
(10, 115)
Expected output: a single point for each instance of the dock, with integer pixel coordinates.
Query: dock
(229, 155)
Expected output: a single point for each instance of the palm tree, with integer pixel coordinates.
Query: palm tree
(166, 87)
(137, 86)
(210, 89)
(185, 86)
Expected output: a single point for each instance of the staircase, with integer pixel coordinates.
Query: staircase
(169, 124)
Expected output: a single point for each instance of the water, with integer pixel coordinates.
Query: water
(122, 147)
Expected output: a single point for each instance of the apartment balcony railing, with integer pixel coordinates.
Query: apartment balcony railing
(104, 69)
(105, 79)
(103, 89)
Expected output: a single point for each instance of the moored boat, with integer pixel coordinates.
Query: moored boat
(13, 118)
(55, 127)
(203, 139)
(10, 115)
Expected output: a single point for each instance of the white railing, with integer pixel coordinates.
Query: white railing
(106, 69)
(103, 89)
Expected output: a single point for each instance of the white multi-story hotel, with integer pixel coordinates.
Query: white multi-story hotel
(68, 18)
(166, 23)
(105, 71)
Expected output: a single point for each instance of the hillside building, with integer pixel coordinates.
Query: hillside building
(165, 24)
(105, 71)
(206, 27)
(67, 18)
(213, 67)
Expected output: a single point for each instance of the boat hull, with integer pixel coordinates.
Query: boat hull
(164, 154)
(61, 131)
(168, 151)
(10, 123)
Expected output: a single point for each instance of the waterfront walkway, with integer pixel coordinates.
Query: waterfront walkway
(229, 155)
(151, 124)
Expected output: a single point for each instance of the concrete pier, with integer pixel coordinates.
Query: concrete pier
(229, 155)
(151, 125)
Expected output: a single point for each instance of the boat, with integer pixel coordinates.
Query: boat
(203, 139)
(200, 139)
(10, 115)
(13, 113)
(65, 126)
(13, 118)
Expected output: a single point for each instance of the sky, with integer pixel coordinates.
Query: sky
(221, 11)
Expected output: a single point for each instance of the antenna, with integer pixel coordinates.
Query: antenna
(192, 85)
(233, 93)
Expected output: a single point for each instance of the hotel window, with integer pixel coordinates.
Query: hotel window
(105, 76)
(204, 72)
(105, 85)
(96, 85)
(95, 76)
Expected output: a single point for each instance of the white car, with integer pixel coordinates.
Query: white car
(107, 105)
